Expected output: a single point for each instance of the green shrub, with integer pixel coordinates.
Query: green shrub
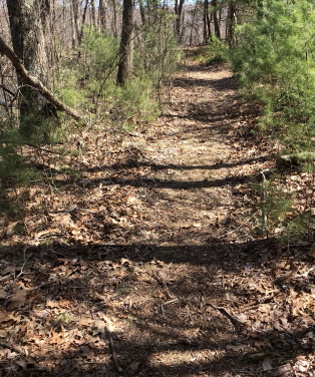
(275, 62)
(215, 52)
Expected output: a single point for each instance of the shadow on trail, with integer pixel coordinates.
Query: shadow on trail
(142, 359)
(166, 320)
(134, 163)
(224, 84)
(158, 183)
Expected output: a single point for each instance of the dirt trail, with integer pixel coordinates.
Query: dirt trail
(190, 152)
(145, 265)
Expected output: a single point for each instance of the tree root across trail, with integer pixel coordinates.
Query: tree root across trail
(145, 264)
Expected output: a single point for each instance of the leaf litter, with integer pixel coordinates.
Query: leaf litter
(139, 257)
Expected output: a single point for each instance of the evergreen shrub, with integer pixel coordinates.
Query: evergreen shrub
(274, 60)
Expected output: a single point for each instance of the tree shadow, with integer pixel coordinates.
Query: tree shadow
(176, 330)
(224, 84)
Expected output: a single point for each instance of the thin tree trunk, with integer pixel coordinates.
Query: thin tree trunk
(206, 21)
(93, 14)
(216, 20)
(178, 8)
(76, 15)
(102, 15)
(193, 23)
(114, 20)
(126, 43)
(230, 25)
(80, 36)
(74, 35)
(142, 12)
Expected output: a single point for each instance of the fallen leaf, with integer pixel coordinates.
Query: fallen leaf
(17, 300)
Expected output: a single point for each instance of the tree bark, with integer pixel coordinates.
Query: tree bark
(93, 14)
(126, 43)
(34, 82)
(178, 7)
(114, 19)
(80, 36)
(206, 21)
(102, 14)
(27, 20)
(142, 12)
(216, 19)
(231, 21)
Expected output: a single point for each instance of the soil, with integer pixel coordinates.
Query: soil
(139, 257)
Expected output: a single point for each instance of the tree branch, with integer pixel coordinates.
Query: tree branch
(35, 82)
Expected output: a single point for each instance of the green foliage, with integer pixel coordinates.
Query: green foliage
(215, 52)
(14, 173)
(272, 208)
(133, 102)
(275, 62)
(90, 81)
(297, 228)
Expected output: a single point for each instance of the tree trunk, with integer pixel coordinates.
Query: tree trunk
(178, 7)
(27, 19)
(74, 35)
(126, 43)
(93, 14)
(75, 9)
(114, 19)
(216, 20)
(231, 21)
(206, 21)
(193, 22)
(102, 14)
(142, 12)
(80, 36)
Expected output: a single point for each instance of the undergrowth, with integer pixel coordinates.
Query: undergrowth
(274, 61)
(275, 64)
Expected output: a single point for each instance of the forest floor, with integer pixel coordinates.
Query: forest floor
(139, 258)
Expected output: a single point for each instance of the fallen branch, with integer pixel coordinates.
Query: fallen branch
(35, 82)
(235, 321)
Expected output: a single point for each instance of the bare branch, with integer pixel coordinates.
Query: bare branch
(35, 82)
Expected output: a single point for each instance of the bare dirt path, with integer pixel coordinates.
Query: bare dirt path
(145, 265)
(190, 151)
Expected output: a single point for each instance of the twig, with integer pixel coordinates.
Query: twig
(10, 286)
(164, 285)
(75, 209)
(235, 321)
(5, 277)
(171, 301)
(23, 265)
